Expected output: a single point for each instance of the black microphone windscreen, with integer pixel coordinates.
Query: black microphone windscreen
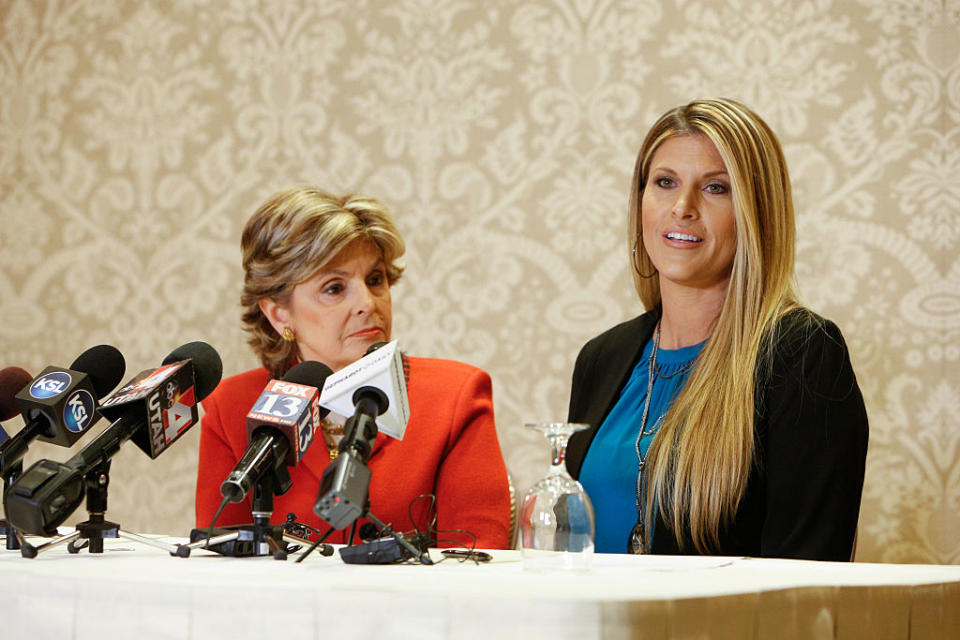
(105, 366)
(312, 374)
(12, 380)
(403, 359)
(374, 347)
(207, 366)
(368, 531)
(309, 372)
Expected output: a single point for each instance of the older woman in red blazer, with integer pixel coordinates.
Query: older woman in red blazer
(318, 271)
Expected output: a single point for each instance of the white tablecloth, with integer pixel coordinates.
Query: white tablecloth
(136, 591)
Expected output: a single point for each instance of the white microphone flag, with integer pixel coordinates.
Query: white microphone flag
(382, 369)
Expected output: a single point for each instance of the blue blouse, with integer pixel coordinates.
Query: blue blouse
(609, 471)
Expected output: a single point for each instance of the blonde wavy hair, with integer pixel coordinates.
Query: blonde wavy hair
(292, 237)
(699, 461)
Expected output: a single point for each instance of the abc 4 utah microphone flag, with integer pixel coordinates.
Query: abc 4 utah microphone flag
(171, 405)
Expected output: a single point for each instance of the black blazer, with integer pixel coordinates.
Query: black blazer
(803, 493)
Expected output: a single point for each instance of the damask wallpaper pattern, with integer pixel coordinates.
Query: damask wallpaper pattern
(137, 137)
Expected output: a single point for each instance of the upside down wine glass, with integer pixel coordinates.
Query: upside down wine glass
(556, 517)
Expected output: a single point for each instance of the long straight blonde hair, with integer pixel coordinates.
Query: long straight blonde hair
(699, 461)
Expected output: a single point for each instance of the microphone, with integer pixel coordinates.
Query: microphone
(379, 386)
(60, 404)
(280, 427)
(381, 369)
(345, 483)
(12, 380)
(157, 406)
(153, 409)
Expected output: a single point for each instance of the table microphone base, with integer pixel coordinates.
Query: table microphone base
(249, 540)
(393, 547)
(93, 532)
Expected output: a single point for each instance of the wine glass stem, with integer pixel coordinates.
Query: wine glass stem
(558, 442)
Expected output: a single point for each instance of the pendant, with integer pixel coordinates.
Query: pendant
(638, 539)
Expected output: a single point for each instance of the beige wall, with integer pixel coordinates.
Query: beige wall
(137, 137)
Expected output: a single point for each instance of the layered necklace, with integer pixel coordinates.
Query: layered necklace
(330, 432)
(639, 541)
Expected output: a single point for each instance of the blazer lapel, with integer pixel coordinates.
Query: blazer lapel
(620, 362)
(614, 362)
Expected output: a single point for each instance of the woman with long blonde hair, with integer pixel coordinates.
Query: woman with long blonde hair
(727, 418)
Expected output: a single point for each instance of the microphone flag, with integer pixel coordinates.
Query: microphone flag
(63, 397)
(292, 409)
(168, 397)
(382, 369)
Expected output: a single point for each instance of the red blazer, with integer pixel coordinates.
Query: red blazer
(450, 449)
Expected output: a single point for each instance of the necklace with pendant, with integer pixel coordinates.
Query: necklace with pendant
(638, 536)
(639, 540)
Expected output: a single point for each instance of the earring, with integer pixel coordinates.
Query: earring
(288, 334)
(633, 253)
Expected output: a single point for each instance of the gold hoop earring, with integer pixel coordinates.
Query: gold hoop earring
(288, 334)
(633, 253)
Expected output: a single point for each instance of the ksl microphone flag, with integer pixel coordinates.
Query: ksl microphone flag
(63, 397)
(382, 369)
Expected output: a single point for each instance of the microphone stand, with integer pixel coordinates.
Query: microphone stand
(422, 556)
(10, 475)
(344, 485)
(94, 530)
(260, 538)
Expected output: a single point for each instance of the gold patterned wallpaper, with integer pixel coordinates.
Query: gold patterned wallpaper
(137, 137)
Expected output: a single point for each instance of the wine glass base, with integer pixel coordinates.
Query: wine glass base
(547, 561)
